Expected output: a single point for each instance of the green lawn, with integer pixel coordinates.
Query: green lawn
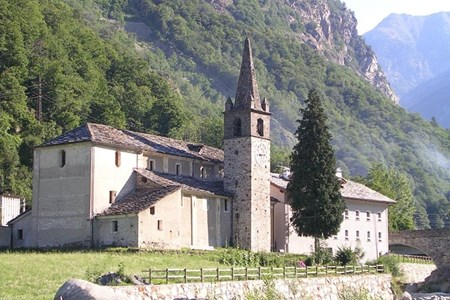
(38, 275)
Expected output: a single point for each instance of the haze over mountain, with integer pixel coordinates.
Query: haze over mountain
(414, 52)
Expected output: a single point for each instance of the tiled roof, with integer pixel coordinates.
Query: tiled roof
(166, 184)
(138, 200)
(184, 182)
(358, 191)
(349, 190)
(108, 135)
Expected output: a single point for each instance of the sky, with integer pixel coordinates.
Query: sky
(370, 13)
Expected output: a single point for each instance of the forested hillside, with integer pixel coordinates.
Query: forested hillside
(75, 59)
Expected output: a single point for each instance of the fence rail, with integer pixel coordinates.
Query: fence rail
(417, 259)
(166, 276)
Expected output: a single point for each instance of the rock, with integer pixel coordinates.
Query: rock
(137, 280)
(412, 288)
(75, 289)
(110, 278)
(406, 296)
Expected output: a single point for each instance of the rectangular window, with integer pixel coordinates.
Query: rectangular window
(379, 236)
(20, 234)
(115, 226)
(357, 234)
(368, 236)
(112, 196)
(160, 225)
(346, 235)
(177, 169)
(346, 214)
(226, 205)
(118, 158)
(357, 215)
(379, 217)
(152, 210)
(151, 164)
(368, 215)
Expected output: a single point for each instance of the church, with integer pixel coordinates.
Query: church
(98, 186)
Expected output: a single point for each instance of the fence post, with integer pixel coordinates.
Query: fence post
(232, 273)
(295, 271)
(185, 275)
(326, 270)
(306, 272)
(246, 273)
(284, 271)
(167, 276)
(354, 270)
(259, 272)
(218, 276)
(150, 275)
(317, 271)
(201, 274)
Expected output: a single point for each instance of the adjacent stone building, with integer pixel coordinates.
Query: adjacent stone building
(100, 186)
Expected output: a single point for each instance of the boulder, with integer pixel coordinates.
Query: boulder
(75, 289)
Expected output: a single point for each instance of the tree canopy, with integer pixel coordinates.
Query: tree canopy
(314, 190)
(397, 186)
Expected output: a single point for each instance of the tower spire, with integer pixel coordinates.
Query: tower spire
(247, 95)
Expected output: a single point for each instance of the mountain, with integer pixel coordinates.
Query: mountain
(431, 99)
(167, 67)
(411, 51)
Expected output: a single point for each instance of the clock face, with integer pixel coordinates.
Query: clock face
(261, 154)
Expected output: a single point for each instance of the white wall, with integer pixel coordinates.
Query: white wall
(108, 177)
(61, 195)
(305, 245)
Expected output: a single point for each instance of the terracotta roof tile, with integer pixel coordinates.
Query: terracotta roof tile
(108, 135)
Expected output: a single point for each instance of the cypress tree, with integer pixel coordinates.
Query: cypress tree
(314, 190)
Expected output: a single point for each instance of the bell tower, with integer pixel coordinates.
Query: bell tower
(247, 159)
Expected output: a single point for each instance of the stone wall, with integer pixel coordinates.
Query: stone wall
(329, 288)
(416, 272)
(308, 288)
(433, 242)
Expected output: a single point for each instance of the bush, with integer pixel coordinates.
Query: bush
(390, 264)
(346, 255)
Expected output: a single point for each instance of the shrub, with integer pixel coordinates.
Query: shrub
(391, 264)
(346, 255)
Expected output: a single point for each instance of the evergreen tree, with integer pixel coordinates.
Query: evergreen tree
(314, 195)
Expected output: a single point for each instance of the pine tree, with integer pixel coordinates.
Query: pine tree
(314, 195)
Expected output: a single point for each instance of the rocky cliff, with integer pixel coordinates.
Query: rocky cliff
(330, 29)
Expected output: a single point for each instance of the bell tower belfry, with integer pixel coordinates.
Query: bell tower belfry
(247, 159)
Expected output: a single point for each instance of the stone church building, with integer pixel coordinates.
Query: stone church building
(100, 186)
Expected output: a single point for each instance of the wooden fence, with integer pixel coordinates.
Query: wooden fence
(416, 259)
(166, 276)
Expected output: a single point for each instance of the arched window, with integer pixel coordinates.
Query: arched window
(260, 127)
(237, 127)
(62, 158)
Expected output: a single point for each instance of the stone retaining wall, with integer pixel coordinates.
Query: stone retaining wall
(329, 288)
(416, 272)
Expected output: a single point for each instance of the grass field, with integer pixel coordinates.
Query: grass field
(38, 275)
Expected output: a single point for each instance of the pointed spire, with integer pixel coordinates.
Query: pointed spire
(247, 95)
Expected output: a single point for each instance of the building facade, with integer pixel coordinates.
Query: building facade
(99, 186)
